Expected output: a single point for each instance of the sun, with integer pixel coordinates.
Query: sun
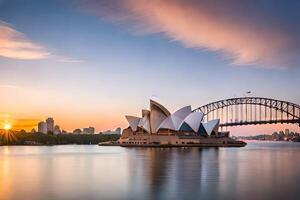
(7, 126)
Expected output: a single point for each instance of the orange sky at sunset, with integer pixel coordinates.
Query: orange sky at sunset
(24, 109)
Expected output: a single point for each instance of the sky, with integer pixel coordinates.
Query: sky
(90, 62)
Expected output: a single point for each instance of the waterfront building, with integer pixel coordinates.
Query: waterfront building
(118, 131)
(42, 127)
(92, 130)
(89, 130)
(158, 126)
(56, 130)
(50, 125)
(85, 130)
(286, 132)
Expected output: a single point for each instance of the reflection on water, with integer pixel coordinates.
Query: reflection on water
(258, 171)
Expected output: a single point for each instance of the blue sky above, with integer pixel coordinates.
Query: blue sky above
(101, 67)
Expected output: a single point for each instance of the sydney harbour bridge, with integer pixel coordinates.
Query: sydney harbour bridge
(251, 111)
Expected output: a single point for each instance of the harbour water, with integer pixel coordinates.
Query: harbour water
(261, 170)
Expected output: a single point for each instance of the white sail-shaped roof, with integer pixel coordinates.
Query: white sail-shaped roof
(158, 114)
(133, 122)
(174, 121)
(144, 123)
(170, 122)
(211, 126)
(193, 120)
(183, 112)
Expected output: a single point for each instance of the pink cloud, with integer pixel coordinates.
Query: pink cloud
(205, 25)
(14, 44)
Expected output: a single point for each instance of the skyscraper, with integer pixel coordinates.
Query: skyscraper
(50, 125)
(42, 127)
(92, 130)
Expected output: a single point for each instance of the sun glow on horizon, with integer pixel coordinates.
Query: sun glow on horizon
(7, 126)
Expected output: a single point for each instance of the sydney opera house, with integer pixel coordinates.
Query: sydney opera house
(158, 127)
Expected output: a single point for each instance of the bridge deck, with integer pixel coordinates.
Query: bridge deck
(290, 121)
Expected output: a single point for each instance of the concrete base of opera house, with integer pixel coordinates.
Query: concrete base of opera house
(234, 144)
(157, 140)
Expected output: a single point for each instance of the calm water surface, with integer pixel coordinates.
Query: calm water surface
(258, 171)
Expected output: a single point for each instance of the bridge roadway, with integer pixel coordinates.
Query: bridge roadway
(287, 121)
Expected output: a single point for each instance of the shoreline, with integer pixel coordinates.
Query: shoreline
(41, 139)
(211, 144)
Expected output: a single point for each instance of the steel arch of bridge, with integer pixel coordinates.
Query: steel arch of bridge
(251, 111)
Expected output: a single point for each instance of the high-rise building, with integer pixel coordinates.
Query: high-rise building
(50, 125)
(42, 127)
(92, 130)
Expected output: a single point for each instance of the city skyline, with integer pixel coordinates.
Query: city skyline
(88, 63)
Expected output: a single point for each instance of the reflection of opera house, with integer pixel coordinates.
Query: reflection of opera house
(158, 127)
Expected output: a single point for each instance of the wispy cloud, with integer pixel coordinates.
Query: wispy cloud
(65, 59)
(15, 45)
(254, 32)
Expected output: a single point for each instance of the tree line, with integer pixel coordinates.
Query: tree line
(14, 138)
